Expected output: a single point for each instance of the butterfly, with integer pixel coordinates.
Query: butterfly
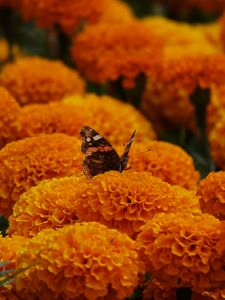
(100, 154)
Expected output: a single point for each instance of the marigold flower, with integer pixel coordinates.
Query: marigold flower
(68, 15)
(176, 81)
(212, 195)
(179, 250)
(92, 260)
(104, 53)
(217, 145)
(154, 291)
(116, 11)
(123, 201)
(36, 79)
(9, 247)
(167, 161)
(4, 49)
(9, 110)
(187, 35)
(103, 113)
(213, 295)
(26, 162)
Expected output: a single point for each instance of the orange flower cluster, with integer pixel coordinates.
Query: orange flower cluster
(36, 79)
(167, 161)
(105, 53)
(26, 162)
(167, 96)
(9, 111)
(212, 195)
(103, 113)
(182, 246)
(68, 16)
(123, 201)
(92, 261)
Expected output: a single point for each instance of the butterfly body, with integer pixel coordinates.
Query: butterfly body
(100, 155)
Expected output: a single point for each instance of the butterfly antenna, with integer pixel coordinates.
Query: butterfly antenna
(140, 152)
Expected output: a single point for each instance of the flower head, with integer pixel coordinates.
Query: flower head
(176, 80)
(9, 246)
(90, 259)
(103, 113)
(105, 53)
(35, 79)
(211, 194)
(179, 250)
(116, 11)
(26, 162)
(153, 290)
(167, 161)
(216, 140)
(123, 201)
(68, 15)
(9, 111)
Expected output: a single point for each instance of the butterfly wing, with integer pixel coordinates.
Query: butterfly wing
(124, 157)
(100, 155)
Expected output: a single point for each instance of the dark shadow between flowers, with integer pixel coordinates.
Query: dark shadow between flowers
(3, 225)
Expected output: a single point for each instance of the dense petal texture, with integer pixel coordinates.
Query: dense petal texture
(179, 250)
(68, 16)
(167, 161)
(103, 113)
(91, 260)
(124, 201)
(9, 246)
(35, 79)
(105, 53)
(9, 111)
(154, 291)
(25, 163)
(211, 191)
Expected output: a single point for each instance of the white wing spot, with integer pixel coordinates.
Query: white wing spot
(97, 137)
(88, 139)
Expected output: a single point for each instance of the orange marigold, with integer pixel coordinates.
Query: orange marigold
(116, 11)
(68, 15)
(9, 247)
(167, 96)
(103, 113)
(125, 50)
(9, 111)
(26, 162)
(36, 79)
(167, 161)
(91, 260)
(217, 142)
(212, 295)
(179, 249)
(211, 194)
(184, 36)
(153, 290)
(124, 201)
